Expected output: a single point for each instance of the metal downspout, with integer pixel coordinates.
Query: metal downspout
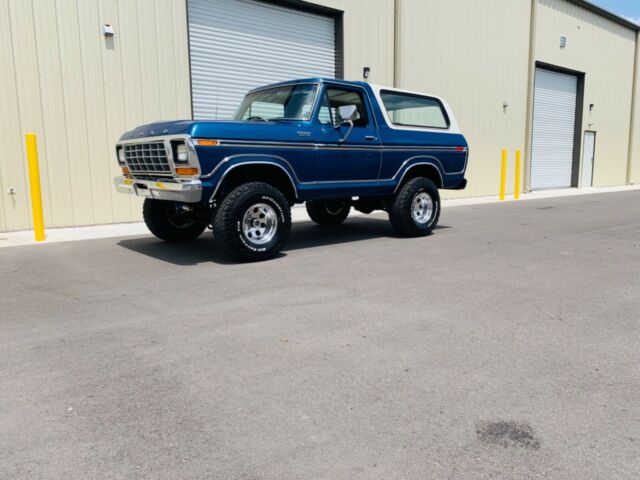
(526, 171)
(632, 124)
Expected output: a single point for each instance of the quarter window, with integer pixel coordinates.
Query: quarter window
(414, 110)
(335, 98)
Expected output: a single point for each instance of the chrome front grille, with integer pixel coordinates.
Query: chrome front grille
(147, 158)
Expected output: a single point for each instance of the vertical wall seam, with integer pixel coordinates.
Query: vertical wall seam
(135, 7)
(632, 120)
(15, 92)
(25, 177)
(188, 32)
(64, 110)
(3, 222)
(43, 142)
(26, 217)
(86, 113)
(173, 70)
(157, 39)
(122, 76)
(106, 107)
(396, 43)
(156, 51)
(528, 147)
(124, 89)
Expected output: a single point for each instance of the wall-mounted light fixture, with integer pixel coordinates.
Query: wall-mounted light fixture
(107, 30)
(563, 42)
(591, 105)
(365, 72)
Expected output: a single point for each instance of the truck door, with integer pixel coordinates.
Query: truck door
(347, 159)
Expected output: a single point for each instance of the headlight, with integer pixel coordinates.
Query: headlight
(182, 153)
(120, 151)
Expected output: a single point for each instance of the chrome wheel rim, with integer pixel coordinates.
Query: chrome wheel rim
(259, 224)
(422, 208)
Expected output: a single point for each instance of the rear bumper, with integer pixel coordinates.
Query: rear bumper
(189, 191)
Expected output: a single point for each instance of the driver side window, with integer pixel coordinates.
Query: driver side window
(334, 98)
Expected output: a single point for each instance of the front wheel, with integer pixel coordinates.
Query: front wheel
(328, 212)
(253, 222)
(168, 222)
(416, 208)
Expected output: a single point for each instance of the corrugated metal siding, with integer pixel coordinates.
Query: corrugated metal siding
(477, 58)
(554, 117)
(634, 160)
(604, 51)
(368, 31)
(61, 78)
(79, 91)
(239, 45)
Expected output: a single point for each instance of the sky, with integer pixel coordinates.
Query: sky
(625, 8)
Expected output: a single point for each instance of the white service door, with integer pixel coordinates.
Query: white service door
(237, 45)
(588, 155)
(554, 117)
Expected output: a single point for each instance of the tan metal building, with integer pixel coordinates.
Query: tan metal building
(554, 78)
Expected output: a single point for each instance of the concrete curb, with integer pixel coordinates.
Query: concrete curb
(299, 214)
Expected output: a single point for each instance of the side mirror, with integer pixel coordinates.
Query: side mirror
(348, 113)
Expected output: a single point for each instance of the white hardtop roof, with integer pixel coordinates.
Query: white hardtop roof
(377, 88)
(453, 123)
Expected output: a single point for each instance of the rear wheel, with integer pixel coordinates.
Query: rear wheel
(253, 222)
(168, 222)
(328, 212)
(416, 208)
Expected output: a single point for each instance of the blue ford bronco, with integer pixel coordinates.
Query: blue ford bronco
(332, 144)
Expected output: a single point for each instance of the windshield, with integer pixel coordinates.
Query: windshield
(290, 102)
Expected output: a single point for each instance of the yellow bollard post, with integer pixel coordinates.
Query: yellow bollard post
(503, 174)
(34, 184)
(516, 191)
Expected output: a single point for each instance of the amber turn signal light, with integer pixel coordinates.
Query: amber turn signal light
(208, 143)
(186, 171)
(126, 172)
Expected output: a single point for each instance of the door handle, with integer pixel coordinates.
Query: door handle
(370, 138)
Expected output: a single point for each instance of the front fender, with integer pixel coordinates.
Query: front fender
(228, 164)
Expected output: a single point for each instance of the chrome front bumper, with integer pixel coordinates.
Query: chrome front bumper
(188, 191)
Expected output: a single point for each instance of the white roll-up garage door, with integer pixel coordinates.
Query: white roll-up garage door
(554, 116)
(237, 45)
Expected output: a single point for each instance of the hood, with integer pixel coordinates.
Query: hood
(231, 130)
(175, 127)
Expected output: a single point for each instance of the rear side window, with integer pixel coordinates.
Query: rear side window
(414, 111)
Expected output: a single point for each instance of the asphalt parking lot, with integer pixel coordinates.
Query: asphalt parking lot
(506, 345)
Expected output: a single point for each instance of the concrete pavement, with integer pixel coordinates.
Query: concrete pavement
(506, 345)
